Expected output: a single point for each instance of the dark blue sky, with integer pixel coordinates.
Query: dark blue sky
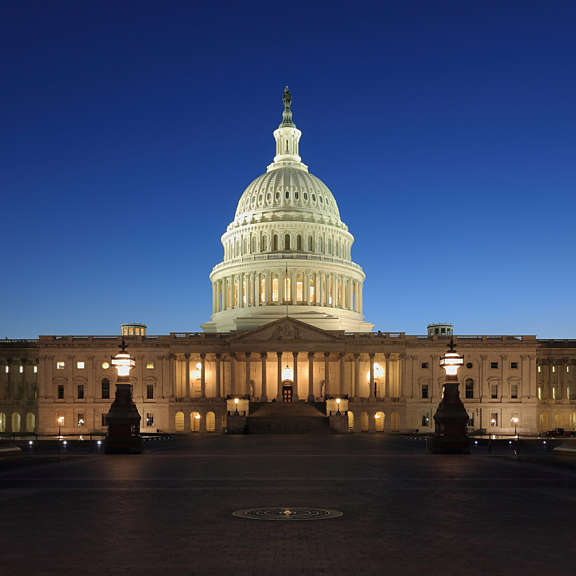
(446, 131)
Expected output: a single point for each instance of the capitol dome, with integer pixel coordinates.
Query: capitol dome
(287, 252)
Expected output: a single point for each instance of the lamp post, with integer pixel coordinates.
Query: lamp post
(451, 417)
(236, 400)
(123, 419)
(60, 423)
(338, 400)
(515, 421)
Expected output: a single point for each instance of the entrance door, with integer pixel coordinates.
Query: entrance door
(287, 393)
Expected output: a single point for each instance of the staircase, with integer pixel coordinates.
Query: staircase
(287, 418)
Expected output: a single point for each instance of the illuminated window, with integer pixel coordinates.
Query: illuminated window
(287, 289)
(80, 420)
(567, 369)
(494, 419)
(553, 368)
(539, 393)
(105, 365)
(312, 291)
(150, 365)
(299, 291)
(35, 369)
(274, 289)
(60, 365)
(7, 369)
(149, 419)
(80, 365)
(553, 393)
(21, 369)
(539, 369)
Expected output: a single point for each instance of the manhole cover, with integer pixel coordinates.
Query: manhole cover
(287, 513)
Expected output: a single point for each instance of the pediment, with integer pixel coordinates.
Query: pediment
(286, 330)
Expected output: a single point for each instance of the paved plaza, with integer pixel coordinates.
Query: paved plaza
(169, 511)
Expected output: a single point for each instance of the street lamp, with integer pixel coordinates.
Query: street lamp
(515, 421)
(60, 424)
(236, 400)
(451, 417)
(123, 419)
(338, 400)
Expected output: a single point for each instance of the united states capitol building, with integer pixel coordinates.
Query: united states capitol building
(287, 332)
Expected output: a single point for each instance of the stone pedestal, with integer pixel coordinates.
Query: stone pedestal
(123, 421)
(450, 420)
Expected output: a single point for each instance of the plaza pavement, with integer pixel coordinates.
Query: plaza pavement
(169, 511)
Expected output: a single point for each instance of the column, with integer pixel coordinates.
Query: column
(247, 375)
(295, 369)
(293, 281)
(172, 375)
(306, 288)
(310, 376)
(355, 391)
(279, 377)
(326, 373)
(342, 367)
(319, 291)
(202, 375)
(387, 387)
(263, 396)
(268, 293)
(281, 282)
(218, 391)
(371, 395)
(402, 375)
(187, 393)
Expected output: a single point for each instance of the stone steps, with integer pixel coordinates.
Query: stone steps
(287, 418)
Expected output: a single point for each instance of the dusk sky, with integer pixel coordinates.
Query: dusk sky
(445, 130)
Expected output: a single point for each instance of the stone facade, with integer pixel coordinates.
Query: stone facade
(391, 381)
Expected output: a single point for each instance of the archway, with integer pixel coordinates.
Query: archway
(179, 421)
(287, 391)
(195, 419)
(210, 422)
(2, 422)
(16, 422)
(350, 421)
(379, 419)
(30, 422)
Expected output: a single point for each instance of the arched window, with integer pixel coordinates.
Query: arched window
(195, 419)
(275, 243)
(179, 421)
(350, 421)
(379, 419)
(210, 422)
(299, 243)
(287, 242)
(329, 246)
(2, 422)
(310, 244)
(263, 243)
(30, 422)
(252, 244)
(16, 422)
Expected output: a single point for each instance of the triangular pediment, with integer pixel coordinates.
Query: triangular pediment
(287, 330)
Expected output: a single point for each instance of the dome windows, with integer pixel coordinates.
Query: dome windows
(296, 195)
(305, 195)
(287, 195)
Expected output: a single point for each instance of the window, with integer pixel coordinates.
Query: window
(469, 388)
(80, 391)
(553, 393)
(149, 365)
(287, 242)
(424, 365)
(80, 365)
(275, 243)
(150, 391)
(80, 420)
(539, 392)
(493, 364)
(105, 365)
(104, 420)
(7, 369)
(105, 388)
(60, 365)
(514, 390)
(469, 365)
(425, 420)
(21, 369)
(149, 419)
(424, 390)
(35, 369)
(494, 419)
(539, 369)
(514, 365)
(553, 369)
(494, 391)
(60, 391)
(471, 420)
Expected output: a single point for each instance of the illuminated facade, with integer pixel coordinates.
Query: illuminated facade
(287, 326)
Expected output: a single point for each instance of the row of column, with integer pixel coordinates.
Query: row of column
(252, 289)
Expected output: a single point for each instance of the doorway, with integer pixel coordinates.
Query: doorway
(286, 392)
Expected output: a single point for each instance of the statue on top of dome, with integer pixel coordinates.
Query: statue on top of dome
(287, 114)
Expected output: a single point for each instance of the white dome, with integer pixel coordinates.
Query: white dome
(287, 189)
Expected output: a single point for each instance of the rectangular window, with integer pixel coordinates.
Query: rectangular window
(469, 388)
(60, 391)
(424, 390)
(494, 419)
(424, 365)
(60, 365)
(149, 365)
(539, 392)
(568, 393)
(553, 393)
(80, 365)
(149, 419)
(150, 391)
(553, 369)
(567, 369)
(471, 420)
(35, 369)
(80, 421)
(7, 369)
(514, 365)
(493, 364)
(514, 391)
(539, 369)
(21, 369)
(105, 389)
(425, 421)
(80, 391)
(494, 391)
(104, 420)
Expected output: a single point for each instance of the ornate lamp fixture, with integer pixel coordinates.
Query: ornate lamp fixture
(123, 419)
(451, 417)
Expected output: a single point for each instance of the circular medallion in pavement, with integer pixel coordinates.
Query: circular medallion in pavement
(289, 514)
